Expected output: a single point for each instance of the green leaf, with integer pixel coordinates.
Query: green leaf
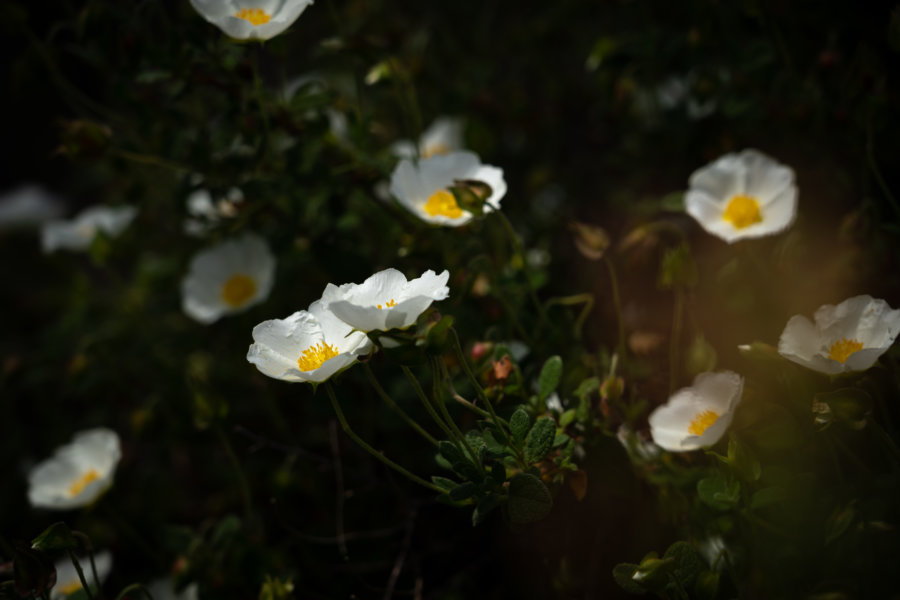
(529, 499)
(678, 268)
(707, 585)
(688, 562)
(437, 340)
(566, 418)
(447, 484)
(463, 491)
(587, 386)
(717, 493)
(539, 440)
(623, 573)
(742, 460)
(549, 377)
(768, 496)
(56, 537)
(450, 452)
(484, 506)
(560, 439)
(519, 424)
(493, 445)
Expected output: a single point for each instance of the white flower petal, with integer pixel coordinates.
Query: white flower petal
(222, 14)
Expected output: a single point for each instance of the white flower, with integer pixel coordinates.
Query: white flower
(310, 345)
(637, 447)
(228, 278)
(251, 19)
(206, 213)
(443, 136)
(847, 337)
(697, 416)
(77, 473)
(746, 195)
(28, 205)
(386, 300)
(423, 189)
(164, 589)
(78, 233)
(67, 581)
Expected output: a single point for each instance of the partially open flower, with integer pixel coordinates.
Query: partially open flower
(77, 473)
(78, 233)
(69, 584)
(206, 213)
(228, 278)
(443, 136)
(847, 337)
(386, 300)
(697, 416)
(746, 195)
(251, 19)
(424, 188)
(310, 345)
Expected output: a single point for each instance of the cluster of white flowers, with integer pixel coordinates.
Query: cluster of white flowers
(315, 344)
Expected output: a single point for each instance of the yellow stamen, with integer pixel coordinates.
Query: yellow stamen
(435, 150)
(256, 16)
(389, 304)
(70, 588)
(742, 211)
(315, 356)
(702, 421)
(443, 203)
(843, 348)
(238, 290)
(82, 482)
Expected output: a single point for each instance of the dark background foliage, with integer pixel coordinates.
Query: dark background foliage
(110, 102)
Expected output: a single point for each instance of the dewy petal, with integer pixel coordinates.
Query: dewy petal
(279, 343)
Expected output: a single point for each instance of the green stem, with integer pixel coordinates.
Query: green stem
(78, 569)
(239, 471)
(426, 402)
(519, 250)
(674, 355)
(586, 299)
(149, 159)
(438, 379)
(617, 302)
(393, 405)
(478, 390)
(388, 462)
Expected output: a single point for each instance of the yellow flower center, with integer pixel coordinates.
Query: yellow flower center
(443, 203)
(82, 482)
(436, 149)
(742, 211)
(843, 348)
(389, 303)
(315, 356)
(69, 588)
(238, 290)
(256, 16)
(702, 421)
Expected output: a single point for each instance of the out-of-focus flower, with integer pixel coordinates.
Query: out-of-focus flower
(847, 337)
(77, 473)
(251, 19)
(443, 136)
(28, 205)
(228, 278)
(423, 188)
(310, 345)
(746, 195)
(67, 581)
(78, 233)
(386, 300)
(164, 589)
(636, 445)
(206, 213)
(697, 416)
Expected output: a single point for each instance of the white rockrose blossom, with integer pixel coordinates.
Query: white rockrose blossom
(251, 19)
(78, 233)
(228, 278)
(844, 338)
(745, 195)
(206, 212)
(67, 581)
(28, 205)
(697, 416)
(386, 300)
(164, 589)
(443, 136)
(77, 473)
(310, 345)
(422, 187)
